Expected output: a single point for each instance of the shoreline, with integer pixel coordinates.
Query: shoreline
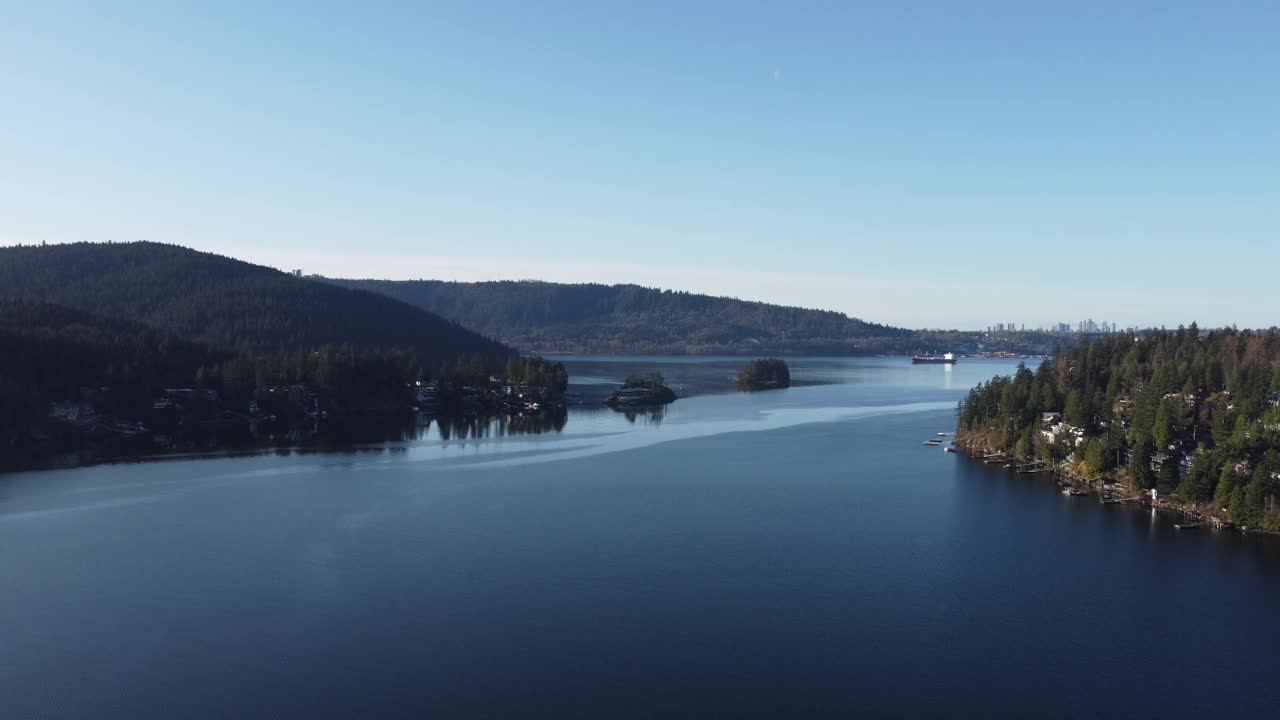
(352, 431)
(1107, 491)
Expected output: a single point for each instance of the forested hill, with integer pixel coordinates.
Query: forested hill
(49, 352)
(551, 317)
(50, 349)
(227, 303)
(1193, 414)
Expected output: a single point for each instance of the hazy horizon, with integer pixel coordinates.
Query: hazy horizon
(920, 166)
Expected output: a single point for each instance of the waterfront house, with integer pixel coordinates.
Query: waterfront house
(1052, 432)
(1158, 460)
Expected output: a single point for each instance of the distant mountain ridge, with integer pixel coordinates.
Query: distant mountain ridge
(229, 304)
(595, 318)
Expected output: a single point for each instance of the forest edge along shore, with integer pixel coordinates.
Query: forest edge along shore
(1187, 421)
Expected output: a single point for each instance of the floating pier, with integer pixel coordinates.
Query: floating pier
(1031, 467)
(1116, 501)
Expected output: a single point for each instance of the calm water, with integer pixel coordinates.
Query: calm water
(793, 553)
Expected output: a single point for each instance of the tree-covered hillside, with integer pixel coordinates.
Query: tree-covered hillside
(551, 317)
(71, 380)
(230, 304)
(49, 353)
(1191, 415)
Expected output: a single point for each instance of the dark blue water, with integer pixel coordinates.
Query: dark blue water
(794, 553)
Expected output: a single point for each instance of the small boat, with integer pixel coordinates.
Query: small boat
(932, 443)
(950, 448)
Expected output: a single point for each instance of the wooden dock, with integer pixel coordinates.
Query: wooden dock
(1114, 500)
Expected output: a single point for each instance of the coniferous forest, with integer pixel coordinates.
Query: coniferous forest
(630, 319)
(623, 319)
(229, 304)
(114, 341)
(1190, 413)
(764, 374)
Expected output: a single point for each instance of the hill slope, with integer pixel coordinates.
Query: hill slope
(628, 318)
(227, 303)
(51, 351)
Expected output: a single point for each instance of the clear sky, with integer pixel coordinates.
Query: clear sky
(947, 164)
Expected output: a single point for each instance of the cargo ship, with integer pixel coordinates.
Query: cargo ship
(947, 359)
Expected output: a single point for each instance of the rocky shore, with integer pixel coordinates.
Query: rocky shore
(1109, 488)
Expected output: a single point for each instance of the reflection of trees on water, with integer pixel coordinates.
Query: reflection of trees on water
(334, 432)
(644, 413)
(355, 433)
(652, 414)
(403, 428)
(483, 426)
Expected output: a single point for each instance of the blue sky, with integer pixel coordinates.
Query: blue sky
(924, 164)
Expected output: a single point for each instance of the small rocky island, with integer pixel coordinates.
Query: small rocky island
(764, 374)
(646, 391)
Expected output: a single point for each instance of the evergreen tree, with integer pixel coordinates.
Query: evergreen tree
(1140, 467)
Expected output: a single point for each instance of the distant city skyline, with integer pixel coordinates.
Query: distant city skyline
(1083, 326)
(933, 165)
